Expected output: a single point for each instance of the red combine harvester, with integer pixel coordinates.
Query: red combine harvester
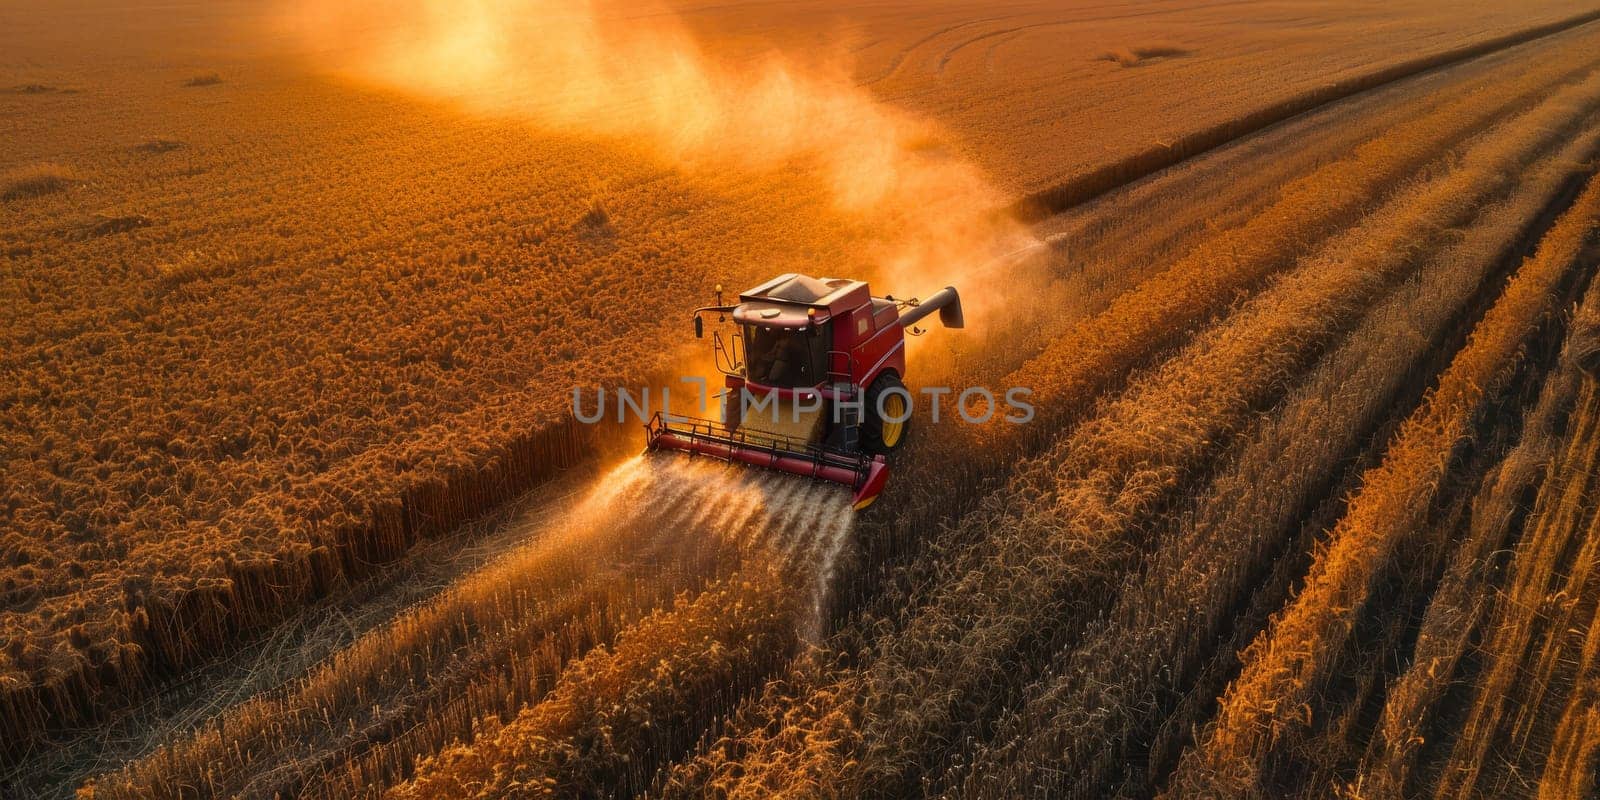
(814, 380)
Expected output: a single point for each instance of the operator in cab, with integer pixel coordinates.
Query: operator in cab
(780, 358)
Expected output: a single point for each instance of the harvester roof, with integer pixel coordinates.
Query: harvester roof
(788, 300)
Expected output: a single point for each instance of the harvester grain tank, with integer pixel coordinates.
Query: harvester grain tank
(814, 380)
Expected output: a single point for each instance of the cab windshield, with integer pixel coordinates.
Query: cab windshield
(786, 357)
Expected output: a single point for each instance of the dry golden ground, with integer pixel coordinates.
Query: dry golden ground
(196, 437)
(274, 734)
(278, 325)
(1270, 701)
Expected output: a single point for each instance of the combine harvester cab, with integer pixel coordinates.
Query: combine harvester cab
(814, 380)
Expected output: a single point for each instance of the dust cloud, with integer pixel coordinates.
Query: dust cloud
(634, 72)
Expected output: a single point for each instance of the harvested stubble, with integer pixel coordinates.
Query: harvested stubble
(1572, 765)
(616, 715)
(925, 683)
(1266, 706)
(1081, 729)
(1459, 609)
(1539, 625)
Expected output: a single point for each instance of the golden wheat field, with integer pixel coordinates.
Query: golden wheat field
(312, 487)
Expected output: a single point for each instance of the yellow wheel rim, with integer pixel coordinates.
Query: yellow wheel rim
(894, 423)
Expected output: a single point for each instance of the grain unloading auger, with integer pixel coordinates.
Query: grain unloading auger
(814, 387)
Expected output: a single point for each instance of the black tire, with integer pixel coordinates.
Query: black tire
(873, 427)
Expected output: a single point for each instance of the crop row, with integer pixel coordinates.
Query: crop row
(1075, 520)
(1113, 706)
(1342, 720)
(1266, 705)
(617, 714)
(1550, 600)
(1535, 627)
(1457, 609)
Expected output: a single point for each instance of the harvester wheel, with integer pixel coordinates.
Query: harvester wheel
(883, 433)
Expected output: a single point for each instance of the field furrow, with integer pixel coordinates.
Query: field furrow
(1457, 613)
(1080, 727)
(1268, 706)
(1538, 623)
